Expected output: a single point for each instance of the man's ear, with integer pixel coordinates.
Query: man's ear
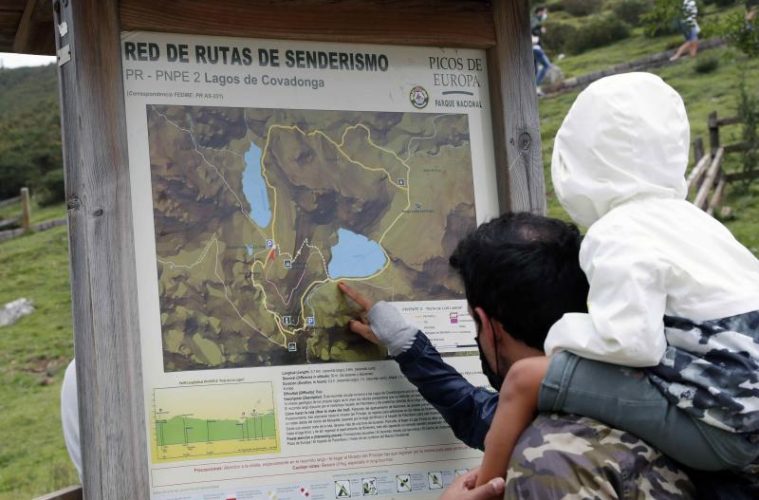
(486, 327)
(491, 328)
(487, 338)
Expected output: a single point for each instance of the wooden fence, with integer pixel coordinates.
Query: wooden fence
(707, 180)
(9, 201)
(42, 226)
(16, 226)
(24, 219)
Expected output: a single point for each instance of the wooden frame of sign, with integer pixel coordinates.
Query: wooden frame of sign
(103, 280)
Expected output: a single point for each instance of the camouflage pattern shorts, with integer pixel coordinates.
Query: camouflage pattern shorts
(570, 457)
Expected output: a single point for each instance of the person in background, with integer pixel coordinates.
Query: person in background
(752, 8)
(690, 29)
(537, 28)
(70, 416)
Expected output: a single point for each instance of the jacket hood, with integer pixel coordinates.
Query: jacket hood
(626, 137)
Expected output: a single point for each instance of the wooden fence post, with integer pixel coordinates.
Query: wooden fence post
(713, 133)
(711, 177)
(26, 210)
(698, 150)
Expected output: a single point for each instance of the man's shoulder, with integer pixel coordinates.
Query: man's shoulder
(561, 455)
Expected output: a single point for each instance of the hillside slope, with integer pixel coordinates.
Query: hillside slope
(30, 137)
(703, 93)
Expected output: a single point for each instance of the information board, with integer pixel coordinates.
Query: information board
(263, 173)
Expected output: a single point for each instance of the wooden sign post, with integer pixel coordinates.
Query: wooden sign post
(100, 194)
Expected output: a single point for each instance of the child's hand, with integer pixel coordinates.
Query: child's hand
(360, 326)
(463, 488)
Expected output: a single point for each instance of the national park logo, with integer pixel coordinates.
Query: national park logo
(419, 97)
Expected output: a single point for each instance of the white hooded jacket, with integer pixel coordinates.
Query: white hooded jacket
(670, 288)
(618, 167)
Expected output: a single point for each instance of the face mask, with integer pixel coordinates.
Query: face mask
(494, 379)
(544, 17)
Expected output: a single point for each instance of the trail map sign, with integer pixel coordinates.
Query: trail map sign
(263, 173)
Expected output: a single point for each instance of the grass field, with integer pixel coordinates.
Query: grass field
(33, 355)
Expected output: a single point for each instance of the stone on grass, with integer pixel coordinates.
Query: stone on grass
(13, 311)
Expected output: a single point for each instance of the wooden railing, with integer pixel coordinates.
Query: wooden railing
(708, 180)
(9, 201)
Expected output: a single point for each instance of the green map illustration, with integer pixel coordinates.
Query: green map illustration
(259, 213)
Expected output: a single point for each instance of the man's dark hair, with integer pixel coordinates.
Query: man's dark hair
(523, 270)
(538, 9)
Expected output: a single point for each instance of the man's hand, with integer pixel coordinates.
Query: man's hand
(361, 326)
(463, 488)
(380, 323)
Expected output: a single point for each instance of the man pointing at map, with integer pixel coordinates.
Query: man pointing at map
(520, 273)
(501, 264)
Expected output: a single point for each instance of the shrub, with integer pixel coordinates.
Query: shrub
(706, 64)
(51, 190)
(748, 111)
(669, 29)
(738, 33)
(663, 18)
(598, 32)
(557, 6)
(580, 8)
(630, 11)
(557, 36)
(720, 3)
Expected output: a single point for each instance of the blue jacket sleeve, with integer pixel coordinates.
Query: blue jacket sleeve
(466, 408)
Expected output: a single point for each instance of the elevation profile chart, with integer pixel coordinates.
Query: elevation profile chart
(215, 420)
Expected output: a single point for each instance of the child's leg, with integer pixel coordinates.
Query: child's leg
(626, 399)
(517, 405)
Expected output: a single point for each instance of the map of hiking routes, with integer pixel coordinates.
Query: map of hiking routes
(259, 213)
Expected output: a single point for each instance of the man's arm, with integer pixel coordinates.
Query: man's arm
(467, 409)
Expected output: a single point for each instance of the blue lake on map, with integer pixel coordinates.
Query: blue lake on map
(254, 187)
(355, 256)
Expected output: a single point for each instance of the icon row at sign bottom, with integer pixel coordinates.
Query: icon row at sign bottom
(403, 484)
